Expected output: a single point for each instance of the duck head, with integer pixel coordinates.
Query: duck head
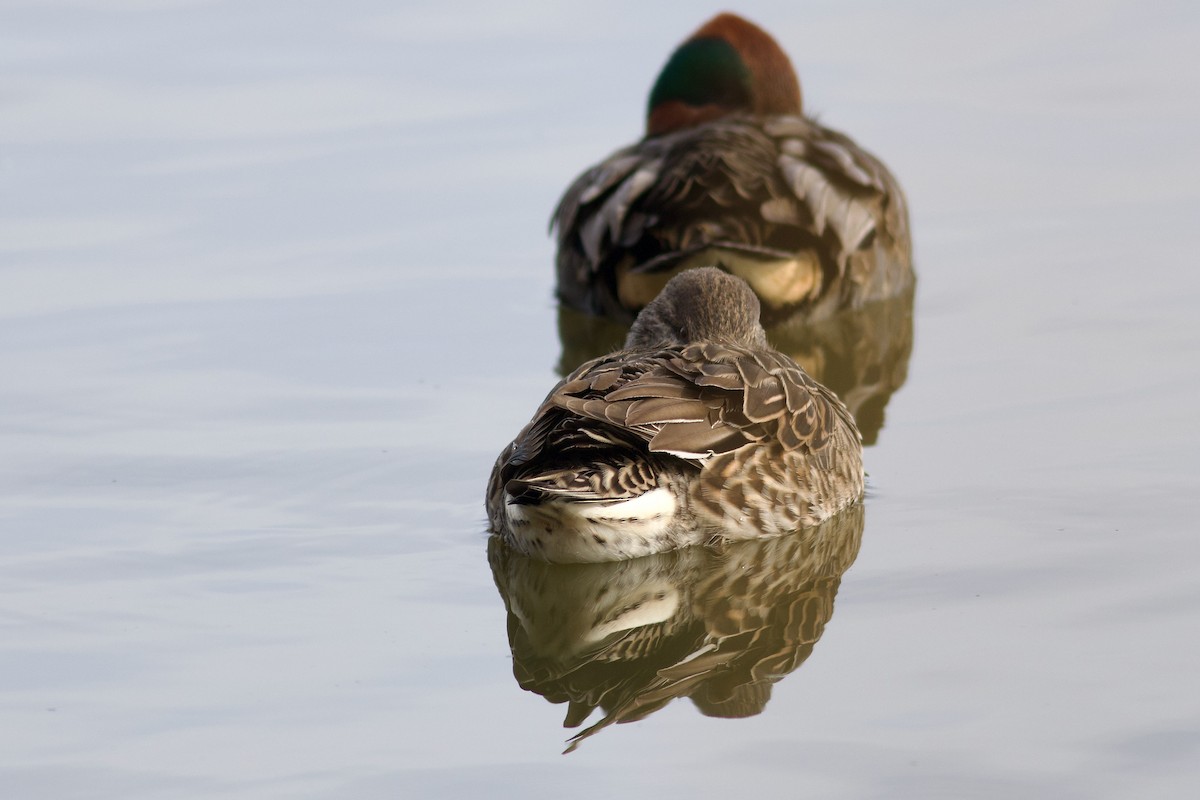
(729, 65)
(700, 305)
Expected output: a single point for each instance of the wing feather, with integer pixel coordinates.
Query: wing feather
(750, 424)
(770, 189)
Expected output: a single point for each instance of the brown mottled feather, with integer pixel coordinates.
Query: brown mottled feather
(762, 414)
(768, 191)
(737, 432)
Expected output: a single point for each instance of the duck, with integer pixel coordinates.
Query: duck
(696, 432)
(731, 172)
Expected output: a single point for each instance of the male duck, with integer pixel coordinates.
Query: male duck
(697, 431)
(731, 172)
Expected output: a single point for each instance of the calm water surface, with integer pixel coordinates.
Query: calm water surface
(275, 289)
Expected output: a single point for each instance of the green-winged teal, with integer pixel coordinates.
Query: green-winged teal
(732, 173)
(697, 431)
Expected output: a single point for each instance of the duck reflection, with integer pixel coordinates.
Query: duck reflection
(717, 625)
(861, 354)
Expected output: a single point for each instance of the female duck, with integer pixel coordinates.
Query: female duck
(697, 431)
(732, 173)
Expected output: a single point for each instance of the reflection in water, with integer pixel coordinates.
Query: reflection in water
(718, 626)
(861, 354)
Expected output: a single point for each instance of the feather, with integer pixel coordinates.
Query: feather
(772, 189)
(840, 155)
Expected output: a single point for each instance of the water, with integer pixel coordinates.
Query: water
(275, 289)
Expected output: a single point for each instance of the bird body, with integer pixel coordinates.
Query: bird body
(732, 173)
(697, 431)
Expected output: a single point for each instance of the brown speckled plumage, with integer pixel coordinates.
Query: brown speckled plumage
(733, 438)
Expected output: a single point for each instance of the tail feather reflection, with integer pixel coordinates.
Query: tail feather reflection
(717, 626)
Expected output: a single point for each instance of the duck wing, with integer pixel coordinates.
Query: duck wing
(607, 429)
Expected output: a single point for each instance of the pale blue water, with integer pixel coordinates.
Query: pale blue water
(275, 289)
